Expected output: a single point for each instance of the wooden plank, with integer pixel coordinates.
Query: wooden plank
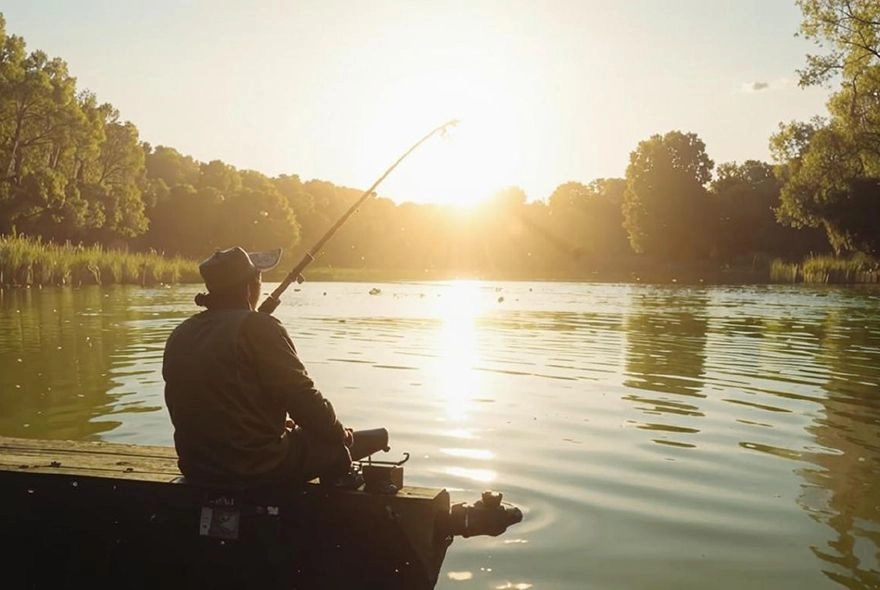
(89, 458)
(111, 460)
(93, 447)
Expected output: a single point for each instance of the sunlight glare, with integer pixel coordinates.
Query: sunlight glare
(457, 380)
(467, 165)
(480, 475)
(484, 454)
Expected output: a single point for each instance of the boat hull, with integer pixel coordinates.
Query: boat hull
(94, 513)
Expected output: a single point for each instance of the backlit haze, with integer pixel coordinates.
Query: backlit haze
(547, 92)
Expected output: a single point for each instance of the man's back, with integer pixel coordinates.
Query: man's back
(227, 424)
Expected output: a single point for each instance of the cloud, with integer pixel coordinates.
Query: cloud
(763, 86)
(755, 86)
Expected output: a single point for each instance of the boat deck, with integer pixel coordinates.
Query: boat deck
(122, 510)
(87, 458)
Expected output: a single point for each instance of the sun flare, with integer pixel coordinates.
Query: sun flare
(464, 166)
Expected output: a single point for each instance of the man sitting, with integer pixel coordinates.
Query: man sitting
(233, 382)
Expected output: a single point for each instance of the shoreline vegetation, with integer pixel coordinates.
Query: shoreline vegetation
(31, 262)
(27, 261)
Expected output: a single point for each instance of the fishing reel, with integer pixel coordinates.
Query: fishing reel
(379, 477)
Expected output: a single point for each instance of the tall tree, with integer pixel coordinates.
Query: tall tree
(116, 183)
(667, 212)
(40, 123)
(172, 167)
(830, 167)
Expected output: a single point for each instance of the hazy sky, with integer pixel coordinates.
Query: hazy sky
(547, 91)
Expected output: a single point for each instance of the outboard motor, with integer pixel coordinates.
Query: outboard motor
(487, 516)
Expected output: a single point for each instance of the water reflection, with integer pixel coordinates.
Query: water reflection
(842, 488)
(69, 358)
(665, 360)
(57, 398)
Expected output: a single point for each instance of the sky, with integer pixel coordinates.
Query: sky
(546, 91)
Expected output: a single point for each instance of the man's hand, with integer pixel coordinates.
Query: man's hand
(349, 437)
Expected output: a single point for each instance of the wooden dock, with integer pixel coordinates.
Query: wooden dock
(90, 514)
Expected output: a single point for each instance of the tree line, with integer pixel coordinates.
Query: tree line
(72, 170)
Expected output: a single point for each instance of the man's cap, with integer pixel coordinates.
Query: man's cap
(233, 265)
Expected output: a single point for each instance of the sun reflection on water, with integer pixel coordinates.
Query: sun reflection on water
(484, 454)
(480, 475)
(456, 380)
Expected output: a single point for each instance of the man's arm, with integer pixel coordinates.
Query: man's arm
(285, 378)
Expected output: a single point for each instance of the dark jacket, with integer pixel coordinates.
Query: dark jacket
(231, 378)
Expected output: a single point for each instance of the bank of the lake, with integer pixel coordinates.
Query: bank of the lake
(31, 262)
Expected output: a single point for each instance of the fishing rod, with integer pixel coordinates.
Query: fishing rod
(274, 299)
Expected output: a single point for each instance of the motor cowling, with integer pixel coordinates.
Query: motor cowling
(487, 516)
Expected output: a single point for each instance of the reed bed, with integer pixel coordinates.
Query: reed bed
(29, 261)
(859, 268)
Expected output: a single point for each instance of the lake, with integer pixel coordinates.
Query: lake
(654, 436)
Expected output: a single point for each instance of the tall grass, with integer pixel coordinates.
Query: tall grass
(31, 261)
(859, 268)
(785, 272)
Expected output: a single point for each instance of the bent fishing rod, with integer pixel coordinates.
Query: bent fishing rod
(274, 299)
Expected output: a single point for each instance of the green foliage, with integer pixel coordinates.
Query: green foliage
(831, 168)
(224, 207)
(747, 196)
(69, 169)
(172, 167)
(848, 32)
(667, 212)
(589, 218)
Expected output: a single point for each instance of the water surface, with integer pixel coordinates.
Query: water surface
(655, 436)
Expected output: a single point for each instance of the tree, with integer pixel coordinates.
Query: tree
(69, 167)
(257, 216)
(830, 166)
(667, 213)
(40, 124)
(218, 175)
(589, 218)
(118, 177)
(172, 167)
(747, 198)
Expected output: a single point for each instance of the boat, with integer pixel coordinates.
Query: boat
(93, 514)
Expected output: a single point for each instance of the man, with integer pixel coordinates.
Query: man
(233, 382)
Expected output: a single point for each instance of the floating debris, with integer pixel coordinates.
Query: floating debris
(375, 291)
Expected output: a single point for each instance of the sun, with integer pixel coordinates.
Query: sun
(464, 167)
